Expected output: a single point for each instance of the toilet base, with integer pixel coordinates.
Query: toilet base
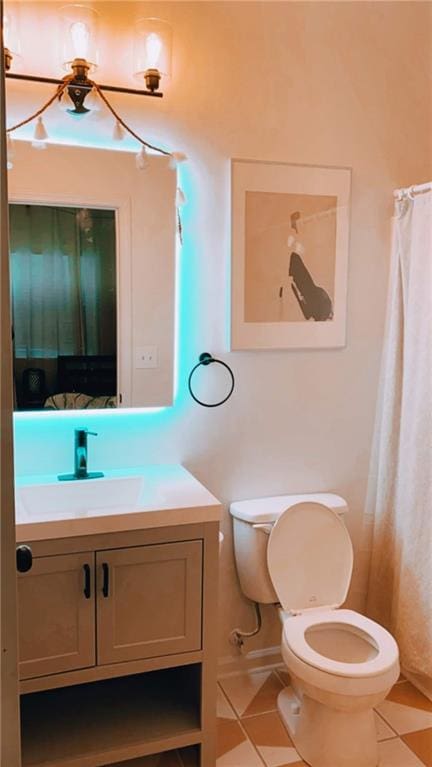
(325, 737)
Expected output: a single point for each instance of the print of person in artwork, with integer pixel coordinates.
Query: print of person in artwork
(313, 300)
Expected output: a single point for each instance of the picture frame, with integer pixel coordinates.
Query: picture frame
(290, 243)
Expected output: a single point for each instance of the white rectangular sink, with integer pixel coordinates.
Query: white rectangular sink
(131, 499)
(79, 496)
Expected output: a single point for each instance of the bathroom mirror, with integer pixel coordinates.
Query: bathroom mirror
(92, 255)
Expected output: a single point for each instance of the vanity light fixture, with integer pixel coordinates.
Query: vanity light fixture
(77, 92)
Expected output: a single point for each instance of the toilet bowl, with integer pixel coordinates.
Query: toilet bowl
(341, 664)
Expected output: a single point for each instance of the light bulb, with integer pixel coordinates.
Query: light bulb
(80, 37)
(141, 159)
(176, 158)
(180, 197)
(153, 46)
(118, 132)
(10, 151)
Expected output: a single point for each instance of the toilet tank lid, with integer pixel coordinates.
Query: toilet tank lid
(265, 510)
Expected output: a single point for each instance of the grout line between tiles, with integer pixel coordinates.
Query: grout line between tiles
(252, 743)
(230, 705)
(388, 725)
(259, 713)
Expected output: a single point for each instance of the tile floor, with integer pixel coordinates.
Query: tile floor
(251, 734)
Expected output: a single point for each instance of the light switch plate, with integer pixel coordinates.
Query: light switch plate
(146, 357)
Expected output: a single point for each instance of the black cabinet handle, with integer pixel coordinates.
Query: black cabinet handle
(24, 559)
(105, 585)
(87, 581)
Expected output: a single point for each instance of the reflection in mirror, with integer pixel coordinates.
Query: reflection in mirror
(63, 273)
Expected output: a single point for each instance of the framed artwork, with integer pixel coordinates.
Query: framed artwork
(290, 239)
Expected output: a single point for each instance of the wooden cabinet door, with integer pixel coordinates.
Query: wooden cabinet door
(56, 615)
(148, 601)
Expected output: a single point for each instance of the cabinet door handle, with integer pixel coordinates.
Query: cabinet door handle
(105, 584)
(87, 581)
(24, 559)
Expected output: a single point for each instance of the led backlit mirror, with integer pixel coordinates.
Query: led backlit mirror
(92, 255)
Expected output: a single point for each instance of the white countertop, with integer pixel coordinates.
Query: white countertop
(160, 496)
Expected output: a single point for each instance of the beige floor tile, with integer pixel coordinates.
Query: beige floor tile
(267, 730)
(421, 743)
(223, 707)
(229, 735)
(406, 709)
(384, 732)
(394, 753)
(252, 693)
(242, 755)
(270, 737)
(404, 719)
(406, 694)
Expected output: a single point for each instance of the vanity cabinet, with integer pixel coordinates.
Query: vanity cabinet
(118, 623)
(96, 608)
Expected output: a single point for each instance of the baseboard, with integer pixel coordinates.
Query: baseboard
(264, 659)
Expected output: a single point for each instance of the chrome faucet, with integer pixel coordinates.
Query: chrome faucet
(81, 456)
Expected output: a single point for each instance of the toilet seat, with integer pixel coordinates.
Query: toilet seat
(294, 636)
(310, 558)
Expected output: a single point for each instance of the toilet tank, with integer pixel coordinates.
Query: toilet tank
(252, 523)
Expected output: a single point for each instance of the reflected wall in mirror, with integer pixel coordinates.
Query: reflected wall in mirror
(92, 252)
(63, 274)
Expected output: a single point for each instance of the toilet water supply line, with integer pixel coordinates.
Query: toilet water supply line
(238, 636)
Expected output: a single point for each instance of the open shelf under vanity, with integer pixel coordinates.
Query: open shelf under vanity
(112, 721)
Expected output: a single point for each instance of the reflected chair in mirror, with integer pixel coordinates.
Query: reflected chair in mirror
(33, 388)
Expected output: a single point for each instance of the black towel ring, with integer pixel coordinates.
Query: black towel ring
(206, 359)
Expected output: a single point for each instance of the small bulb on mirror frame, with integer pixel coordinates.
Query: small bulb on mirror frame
(10, 149)
(40, 135)
(118, 132)
(180, 197)
(141, 159)
(176, 158)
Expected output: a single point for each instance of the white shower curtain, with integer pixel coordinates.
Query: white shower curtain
(399, 505)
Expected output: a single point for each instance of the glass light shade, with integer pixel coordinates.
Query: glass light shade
(11, 24)
(152, 47)
(79, 35)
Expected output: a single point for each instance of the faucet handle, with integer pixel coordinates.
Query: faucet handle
(84, 430)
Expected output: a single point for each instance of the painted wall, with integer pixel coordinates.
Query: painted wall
(319, 83)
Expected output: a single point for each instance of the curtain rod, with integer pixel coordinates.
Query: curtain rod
(410, 190)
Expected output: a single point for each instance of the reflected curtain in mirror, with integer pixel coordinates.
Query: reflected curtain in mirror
(63, 271)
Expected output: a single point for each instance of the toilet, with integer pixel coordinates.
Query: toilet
(295, 551)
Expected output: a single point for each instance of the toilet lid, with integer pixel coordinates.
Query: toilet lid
(310, 558)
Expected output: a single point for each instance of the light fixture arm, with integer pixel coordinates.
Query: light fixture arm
(109, 88)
